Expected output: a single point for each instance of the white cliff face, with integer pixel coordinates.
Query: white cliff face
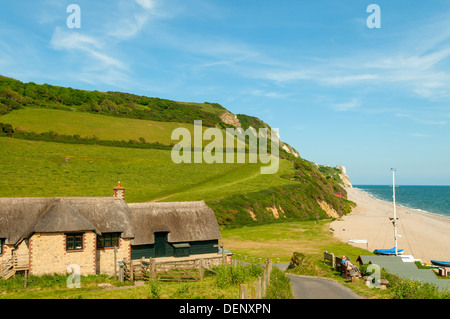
(290, 150)
(231, 119)
(344, 177)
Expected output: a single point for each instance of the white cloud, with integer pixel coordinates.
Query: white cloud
(146, 4)
(267, 94)
(91, 46)
(133, 16)
(73, 41)
(342, 107)
(419, 135)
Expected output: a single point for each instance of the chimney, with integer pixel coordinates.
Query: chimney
(119, 191)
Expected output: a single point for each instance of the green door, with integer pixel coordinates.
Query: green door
(160, 244)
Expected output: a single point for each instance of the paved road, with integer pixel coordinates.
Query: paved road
(319, 288)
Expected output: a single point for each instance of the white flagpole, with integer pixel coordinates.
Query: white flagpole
(395, 211)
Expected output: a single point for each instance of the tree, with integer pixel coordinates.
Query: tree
(8, 129)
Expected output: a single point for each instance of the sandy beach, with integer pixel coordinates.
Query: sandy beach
(426, 236)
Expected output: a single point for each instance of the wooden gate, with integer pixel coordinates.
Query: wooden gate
(149, 269)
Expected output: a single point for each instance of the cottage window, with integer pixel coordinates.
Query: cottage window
(74, 241)
(2, 242)
(108, 240)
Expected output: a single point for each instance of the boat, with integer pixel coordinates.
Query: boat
(388, 252)
(440, 263)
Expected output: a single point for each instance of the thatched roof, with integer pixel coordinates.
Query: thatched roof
(185, 222)
(20, 217)
(60, 217)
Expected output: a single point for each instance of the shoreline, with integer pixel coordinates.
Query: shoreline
(425, 235)
(401, 205)
(445, 218)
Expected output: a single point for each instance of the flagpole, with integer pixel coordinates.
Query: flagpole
(395, 211)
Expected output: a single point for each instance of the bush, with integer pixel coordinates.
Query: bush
(154, 289)
(307, 265)
(228, 276)
(409, 289)
(280, 286)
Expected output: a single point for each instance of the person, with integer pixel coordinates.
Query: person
(348, 263)
(350, 266)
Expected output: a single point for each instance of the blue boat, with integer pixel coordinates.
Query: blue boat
(440, 263)
(387, 251)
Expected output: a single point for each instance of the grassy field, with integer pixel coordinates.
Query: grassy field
(104, 127)
(280, 240)
(56, 288)
(34, 168)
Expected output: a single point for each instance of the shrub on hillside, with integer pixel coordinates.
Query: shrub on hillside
(302, 264)
(234, 275)
(279, 286)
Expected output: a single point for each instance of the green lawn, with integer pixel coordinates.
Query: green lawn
(55, 287)
(34, 168)
(281, 240)
(104, 127)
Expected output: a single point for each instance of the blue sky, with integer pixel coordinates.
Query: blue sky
(339, 92)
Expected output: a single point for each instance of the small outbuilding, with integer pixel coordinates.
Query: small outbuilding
(177, 229)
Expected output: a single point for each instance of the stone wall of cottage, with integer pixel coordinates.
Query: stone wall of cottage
(6, 254)
(48, 254)
(105, 257)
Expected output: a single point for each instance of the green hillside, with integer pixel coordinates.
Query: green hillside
(55, 146)
(103, 127)
(15, 95)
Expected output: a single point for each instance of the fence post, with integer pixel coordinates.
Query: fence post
(152, 268)
(253, 290)
(201, 269)
(242, 291)
(269, 270)
(258, 287)
(121, 272)
(223, 253)
(143, 268)
(131, 270)
(264, 283)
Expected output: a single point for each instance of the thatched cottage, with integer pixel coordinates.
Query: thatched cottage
(54, 233)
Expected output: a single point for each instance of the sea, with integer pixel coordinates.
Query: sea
(431, 199)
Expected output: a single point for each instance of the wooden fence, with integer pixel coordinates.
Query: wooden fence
(193, 270)
(258, 288)
(17, 262)
(150, 269)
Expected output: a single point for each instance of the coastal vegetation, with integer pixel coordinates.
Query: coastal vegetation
(332, 173)
(15, 95)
